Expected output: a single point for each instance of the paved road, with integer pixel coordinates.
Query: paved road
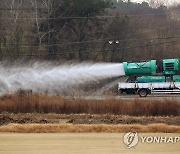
(85, 143)
(131, 97)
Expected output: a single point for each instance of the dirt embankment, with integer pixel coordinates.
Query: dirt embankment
(31, 118)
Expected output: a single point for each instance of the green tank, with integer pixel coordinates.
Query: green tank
(140, 68)
(176, 78)
(170, 66)
(150, 79)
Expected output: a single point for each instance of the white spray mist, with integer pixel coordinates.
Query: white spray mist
(42, 76)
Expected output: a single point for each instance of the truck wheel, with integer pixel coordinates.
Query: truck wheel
(120, 92)
(143, 92)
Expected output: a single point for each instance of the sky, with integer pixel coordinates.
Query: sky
(169, 1)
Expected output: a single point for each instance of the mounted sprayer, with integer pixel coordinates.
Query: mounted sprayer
(151, 76)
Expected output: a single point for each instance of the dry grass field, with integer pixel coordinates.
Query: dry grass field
(82, 128)
(34, 113)
(23, 102)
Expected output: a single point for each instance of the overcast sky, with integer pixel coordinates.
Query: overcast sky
(169, 1)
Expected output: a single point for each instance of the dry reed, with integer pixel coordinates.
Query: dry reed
(42, 103)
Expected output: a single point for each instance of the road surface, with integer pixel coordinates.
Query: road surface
(82, 143)
(131, 97)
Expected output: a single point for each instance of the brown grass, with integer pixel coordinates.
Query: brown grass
(42, 103)
(69, 128)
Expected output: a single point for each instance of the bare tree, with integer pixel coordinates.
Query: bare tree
(157, 3)
(175, 11)
(35, 6)
(48, 6)
(1, 37)
(14, 6)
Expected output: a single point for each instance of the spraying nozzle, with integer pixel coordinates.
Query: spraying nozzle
(140, 68)
(169, 67)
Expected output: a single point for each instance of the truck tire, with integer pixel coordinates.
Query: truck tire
(120, 92)
(142, 92)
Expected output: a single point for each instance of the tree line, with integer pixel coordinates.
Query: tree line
(91, 30)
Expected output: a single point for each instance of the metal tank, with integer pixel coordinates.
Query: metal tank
(140, 68)
(150, 79)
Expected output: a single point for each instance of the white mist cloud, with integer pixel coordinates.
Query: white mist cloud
(42, 76)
